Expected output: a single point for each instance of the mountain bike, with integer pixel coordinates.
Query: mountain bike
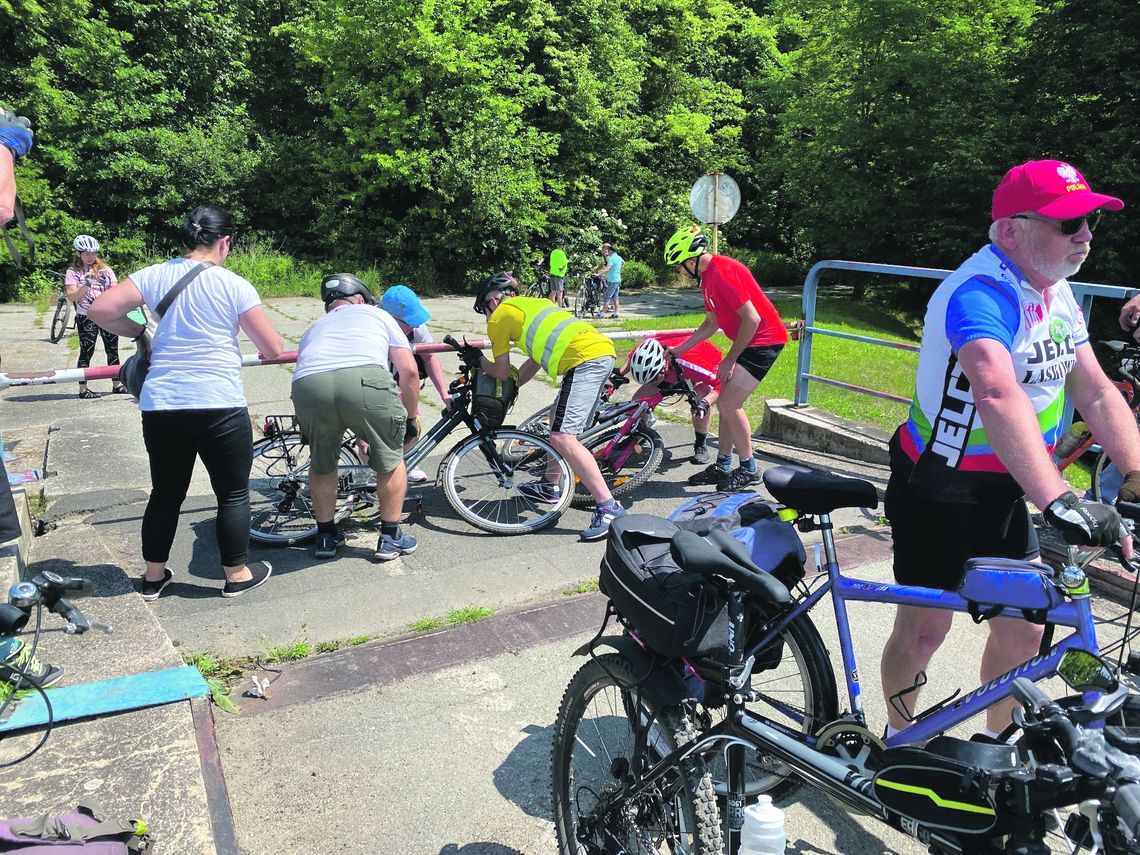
(64, 318)
(589, 299)
(628, 451)
(1130, 388)
(540, 285)
(479, 479)
(761, 706)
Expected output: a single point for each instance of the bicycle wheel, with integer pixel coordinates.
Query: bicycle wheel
(594, 741)
(281, 510)
(59, 322)
(797, 691)
(481, 481)
(645, 452)
(1097, 488)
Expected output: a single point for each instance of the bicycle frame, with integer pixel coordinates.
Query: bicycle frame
(632, 412)
(1076, 614)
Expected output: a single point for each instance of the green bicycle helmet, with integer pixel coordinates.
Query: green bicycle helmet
(686, 243)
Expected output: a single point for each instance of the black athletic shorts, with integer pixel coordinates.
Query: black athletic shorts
(758, 360)
(933, 540)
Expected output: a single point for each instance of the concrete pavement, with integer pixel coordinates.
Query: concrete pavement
(427, 760)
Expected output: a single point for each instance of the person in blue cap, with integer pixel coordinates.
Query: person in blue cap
(401, 303)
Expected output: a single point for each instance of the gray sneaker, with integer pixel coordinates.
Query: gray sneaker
(599, 525)
(388, 547)
(701, 454)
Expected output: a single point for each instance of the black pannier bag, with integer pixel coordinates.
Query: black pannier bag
(675, 612)
(774, 545)
(492, 399)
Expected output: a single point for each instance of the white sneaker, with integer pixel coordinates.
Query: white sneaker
(417, 476)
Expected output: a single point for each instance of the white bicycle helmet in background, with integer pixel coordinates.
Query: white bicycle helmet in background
(647, 361)
(85, 243)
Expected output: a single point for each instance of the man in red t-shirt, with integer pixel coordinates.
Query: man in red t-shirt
(734, 304)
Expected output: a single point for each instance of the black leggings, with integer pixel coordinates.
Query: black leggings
(89, 332)
(224, 441)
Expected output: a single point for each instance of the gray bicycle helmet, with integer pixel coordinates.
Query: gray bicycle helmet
(501, 281)
(337, 286)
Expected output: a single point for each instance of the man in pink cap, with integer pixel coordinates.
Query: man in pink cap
(1003, 342)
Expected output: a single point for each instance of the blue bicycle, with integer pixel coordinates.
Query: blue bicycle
(736, 669)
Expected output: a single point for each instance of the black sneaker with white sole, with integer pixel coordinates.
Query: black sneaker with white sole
(739, 479)
(150, 590)
(711, 474)
(260, 570)
(328, 544)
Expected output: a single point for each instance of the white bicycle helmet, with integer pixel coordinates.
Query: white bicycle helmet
(85, 243)
(647, 361)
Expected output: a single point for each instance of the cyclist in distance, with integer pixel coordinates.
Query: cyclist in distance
(87, 278)
(558, 267)
(651, 366)
(734, 304)
(401, 303)
(564, 347)
(342, 381)
(1003, 342)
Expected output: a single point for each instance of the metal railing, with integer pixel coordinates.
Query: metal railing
(1083, 291)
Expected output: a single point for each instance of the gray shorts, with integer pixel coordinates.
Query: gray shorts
(611, 292)
(557, 283)
(573, 410)
(364, 400)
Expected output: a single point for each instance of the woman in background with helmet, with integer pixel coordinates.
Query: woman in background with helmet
(193, 404)
(87, 278)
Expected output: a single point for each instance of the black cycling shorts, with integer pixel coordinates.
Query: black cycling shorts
(758, 360)
(933, 540)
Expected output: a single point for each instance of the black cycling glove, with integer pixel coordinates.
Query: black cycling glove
(1084, 523)
(15, 133)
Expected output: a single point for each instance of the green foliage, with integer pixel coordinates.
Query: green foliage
(435, 142)
(637, 274)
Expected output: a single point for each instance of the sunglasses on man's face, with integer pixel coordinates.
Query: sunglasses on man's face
(1066, 227)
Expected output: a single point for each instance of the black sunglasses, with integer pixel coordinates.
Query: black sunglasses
(1067, 227)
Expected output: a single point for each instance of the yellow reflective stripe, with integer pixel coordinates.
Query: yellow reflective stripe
(548, 333)
(934, 797)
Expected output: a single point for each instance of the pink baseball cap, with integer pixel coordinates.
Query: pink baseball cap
(1051, 188)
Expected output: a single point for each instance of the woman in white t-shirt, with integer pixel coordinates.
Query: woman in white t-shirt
(192, 403)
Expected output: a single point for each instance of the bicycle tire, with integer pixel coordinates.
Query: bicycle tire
(480, 495)
(1098, 469)
(281, 511)
(638, 468)
(61, 319)
(805, 654)
(581, 300)
(580, 773)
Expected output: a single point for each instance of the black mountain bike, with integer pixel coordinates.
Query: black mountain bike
(589, 299)
(64, 318)
(480, 478)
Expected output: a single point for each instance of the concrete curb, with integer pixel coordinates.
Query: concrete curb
(821, 431)
(14, 553)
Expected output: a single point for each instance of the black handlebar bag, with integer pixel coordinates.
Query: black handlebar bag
(674, 611)
(943, 785)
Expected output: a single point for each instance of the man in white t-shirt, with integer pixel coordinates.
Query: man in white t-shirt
(342, 381)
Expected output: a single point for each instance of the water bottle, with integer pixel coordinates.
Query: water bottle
(1078, 432)
(763, 831)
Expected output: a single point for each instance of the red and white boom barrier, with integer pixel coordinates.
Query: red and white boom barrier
(106, 372)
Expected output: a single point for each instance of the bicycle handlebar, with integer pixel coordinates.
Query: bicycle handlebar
(47, 590)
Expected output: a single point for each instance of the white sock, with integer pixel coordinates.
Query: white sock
(990, 734)
(892, 731)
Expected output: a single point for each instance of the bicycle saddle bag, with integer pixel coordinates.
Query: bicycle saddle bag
(773, 544)
(76, 831)
(937, 788)
(675, 612)
(991, 584)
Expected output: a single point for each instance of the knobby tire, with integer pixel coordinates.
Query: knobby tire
(593, 736)
(638, 468)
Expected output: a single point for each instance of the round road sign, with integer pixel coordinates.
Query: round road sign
(715, 198)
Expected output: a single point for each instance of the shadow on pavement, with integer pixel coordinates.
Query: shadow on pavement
(849, 835)
(478, 849)
(524, 777)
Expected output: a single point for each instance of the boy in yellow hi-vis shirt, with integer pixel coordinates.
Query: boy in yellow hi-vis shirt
(556, 341)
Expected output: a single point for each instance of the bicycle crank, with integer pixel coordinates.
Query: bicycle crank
(853, 744)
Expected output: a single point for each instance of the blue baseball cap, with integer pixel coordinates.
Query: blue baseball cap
(401, 303)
